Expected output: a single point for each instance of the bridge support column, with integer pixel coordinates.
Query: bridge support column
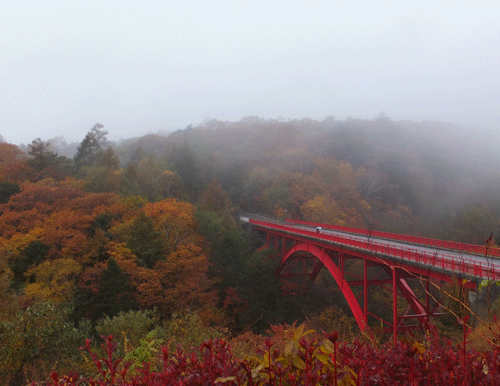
(365, 288)
(341, 264)
(427, 301)
(283, 248)
(395, 302)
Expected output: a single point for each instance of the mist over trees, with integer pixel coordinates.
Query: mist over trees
(427, 171)
(144, 233)
(412, 175)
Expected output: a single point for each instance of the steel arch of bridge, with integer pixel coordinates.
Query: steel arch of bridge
(333, 257)
(337, 274)
(398, 284)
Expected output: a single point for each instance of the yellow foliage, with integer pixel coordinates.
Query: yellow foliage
(72, 183)
(54, 280)
(321, 210)
(18, 242)
(119, 251)
(135, 202)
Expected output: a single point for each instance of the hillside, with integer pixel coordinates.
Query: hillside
(141, 235)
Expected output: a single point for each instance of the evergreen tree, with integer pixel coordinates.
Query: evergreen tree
(88, 151)
(115, 293)
(215, 199)
(188, 168)
(8, 189)
(42, 157)
(145, 241)
(31, 256)
(129, 183)
(46, 162)
(108, 159)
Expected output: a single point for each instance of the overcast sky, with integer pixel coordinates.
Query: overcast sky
(143, 66)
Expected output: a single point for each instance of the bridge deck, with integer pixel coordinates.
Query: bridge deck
(469, 265)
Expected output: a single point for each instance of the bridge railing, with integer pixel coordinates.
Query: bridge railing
(445, 244)
(450, 263)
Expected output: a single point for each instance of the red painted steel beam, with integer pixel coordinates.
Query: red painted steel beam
(409, 295)
(395, 303)
(365, 289)
(317, 268)
(375, 282)
(337, 275)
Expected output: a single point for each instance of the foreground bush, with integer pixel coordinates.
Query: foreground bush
(299, 361)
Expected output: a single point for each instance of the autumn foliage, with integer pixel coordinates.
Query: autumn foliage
(298, 360)
(78, 232)
(140, 240)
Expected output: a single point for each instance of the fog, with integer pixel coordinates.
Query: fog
(143, 67)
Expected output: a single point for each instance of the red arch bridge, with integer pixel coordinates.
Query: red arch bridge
(383, 259)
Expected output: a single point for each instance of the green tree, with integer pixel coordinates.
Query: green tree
(248, 289)
(8, 189)
(214, 199)
(188, 168)
(99, 179)
(149, 173)
(30, 257)
(115, 293)
(209, 225)
(276, 196)
(41, 155)
(89, 149)
(38, 338)
(229, 250)
(128, 328)
(145, 241)
(108, 159)
(129, 183)
(474, 224)
(230, 258)
(46, 163)
(262, 295)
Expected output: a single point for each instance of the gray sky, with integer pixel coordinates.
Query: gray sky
(145, 66)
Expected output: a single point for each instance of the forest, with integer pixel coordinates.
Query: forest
(125, 262)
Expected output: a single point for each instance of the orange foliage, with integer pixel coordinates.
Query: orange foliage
(178, 282)
(15, 223)
(63, 216)
(178, 279)
(91, 276)
(66, 233)
(94, 203)
(13, 167)
(62, 212)
(175, 221)
(17, 171)
(10, 152)
(44, 198)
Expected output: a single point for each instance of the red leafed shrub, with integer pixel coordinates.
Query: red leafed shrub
(301, 361)
(213, 364)
(438, 363)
